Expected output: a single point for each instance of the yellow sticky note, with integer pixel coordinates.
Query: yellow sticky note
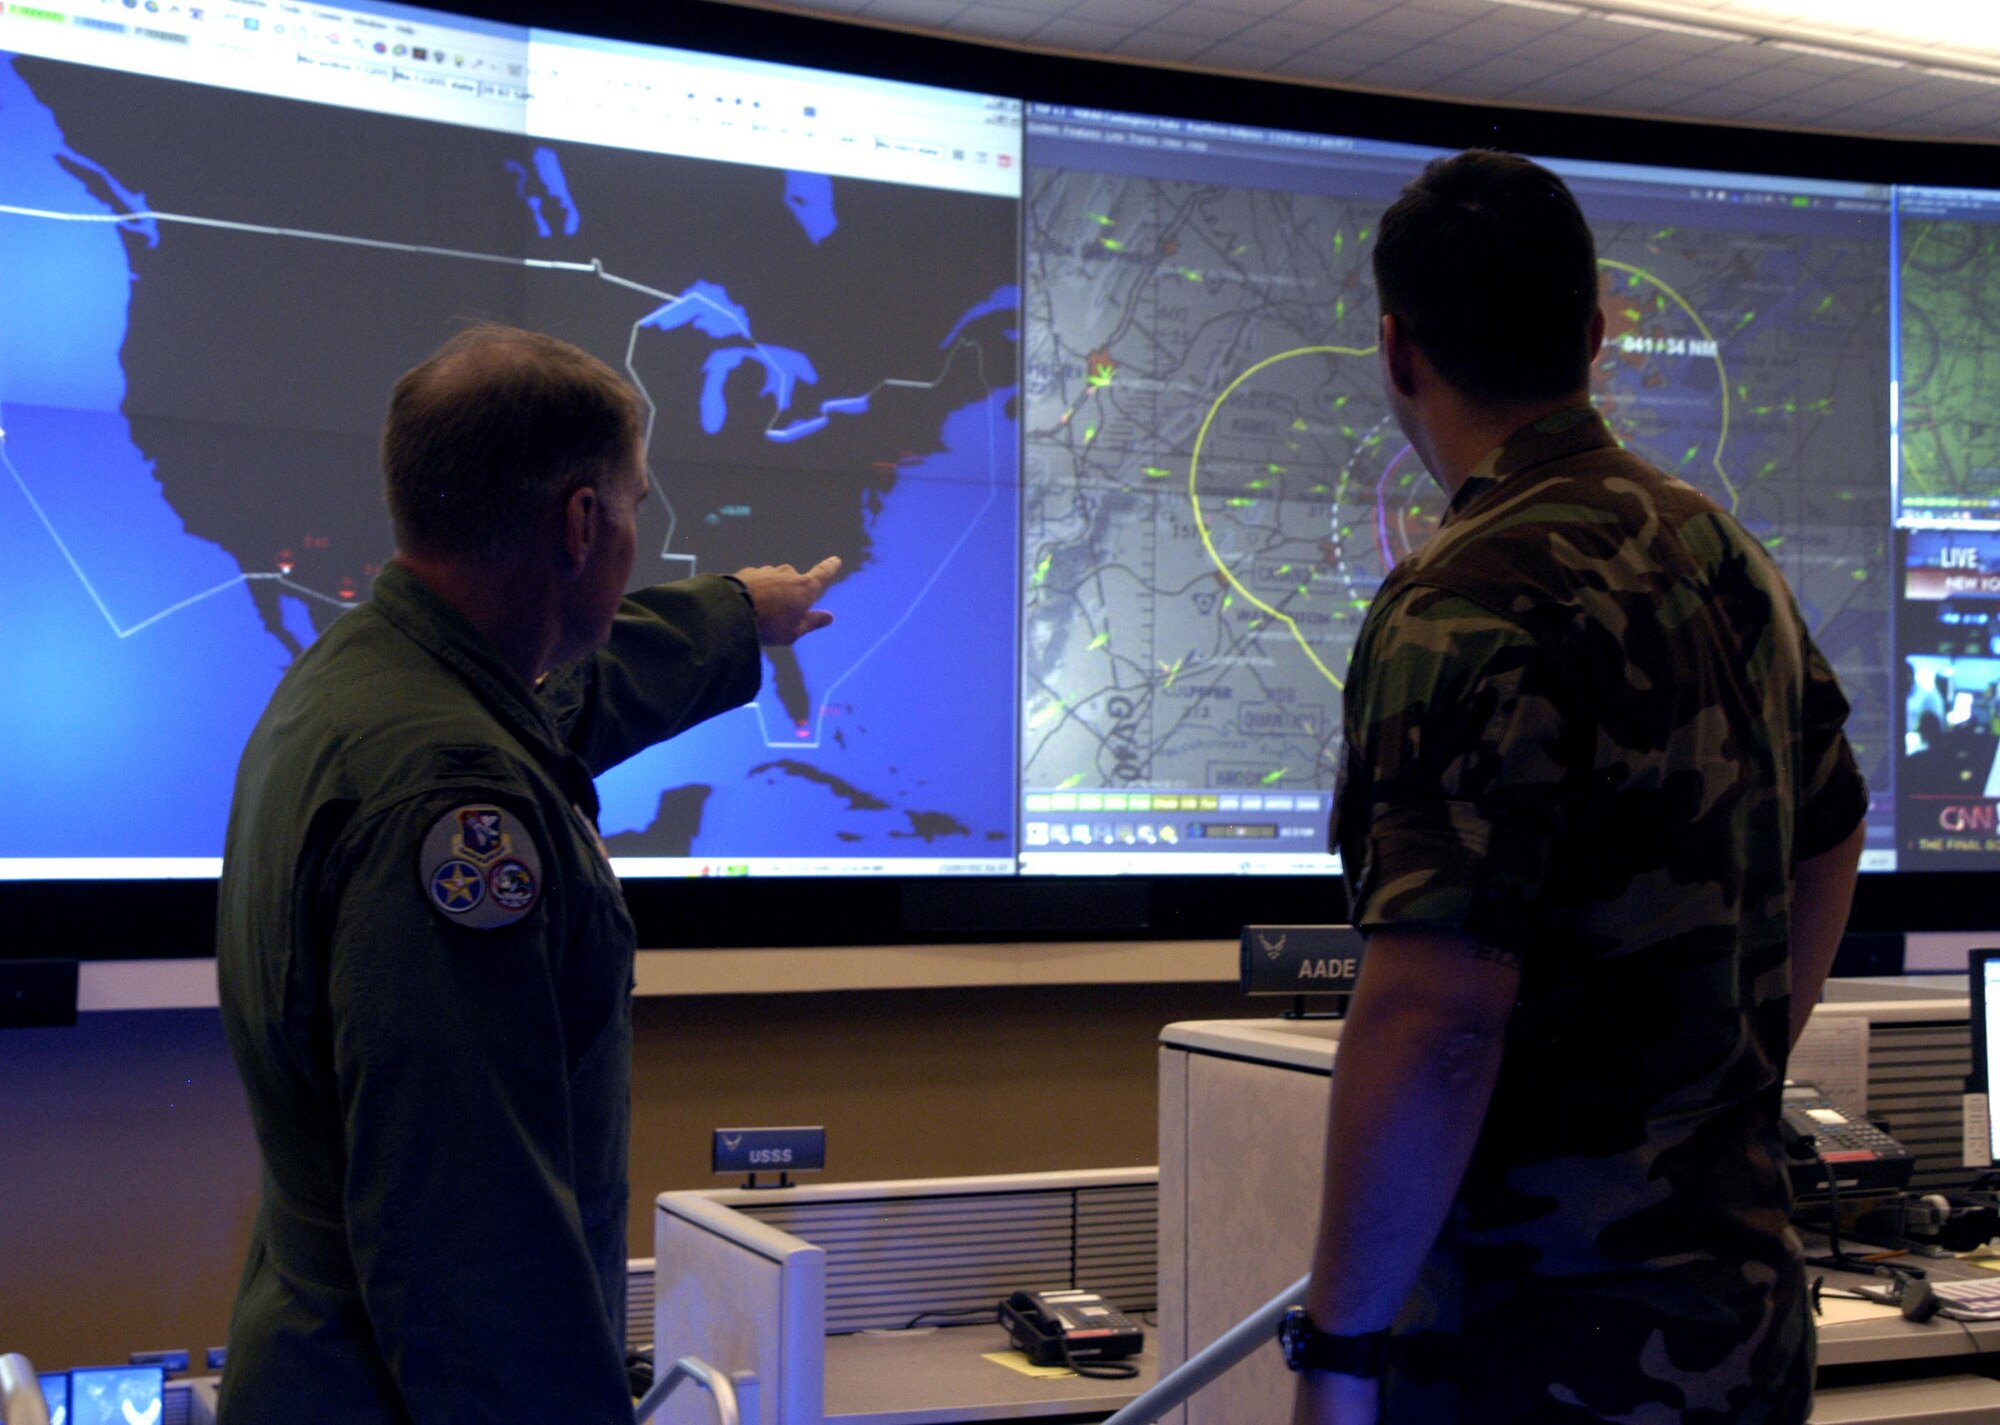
(1016, 1361)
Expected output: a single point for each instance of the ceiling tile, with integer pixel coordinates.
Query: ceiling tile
(1881, 117)
(1509, 71)
(1067, 33)
(1282, 34)
(1259, 8)
(1722, 106)
(1332, 16)
(1627, 60)
(1203, 21)
(1000, 22)
(1150, 44)
(1406, 71)
(1980, 110)
(1406, 25)
(1649, 95)
(1450, 58)
(1697, 76)
(1241, 58)
(1500, 31)
(1785, 79)
(1131, 13)
(934, 14)
(1363, 45)
(1458, 10)
(1564, 49)
(1792, 109)
(1345, 51)
(1318, 67)
(1839, 93)
(1819, 65)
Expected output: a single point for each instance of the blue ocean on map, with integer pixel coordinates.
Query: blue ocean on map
(136, 664)
(922, 706)
(123, 726)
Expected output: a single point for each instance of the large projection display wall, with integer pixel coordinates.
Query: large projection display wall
(1215, 487)
(208, 283)
(1086, 399)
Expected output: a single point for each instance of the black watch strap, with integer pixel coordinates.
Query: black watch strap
(1307, 1348)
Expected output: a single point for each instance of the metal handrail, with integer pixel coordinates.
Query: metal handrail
(21, 1401)
(1254, 1330)
(715, 1382)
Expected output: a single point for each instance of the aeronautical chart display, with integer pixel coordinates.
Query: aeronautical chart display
(1214, 484)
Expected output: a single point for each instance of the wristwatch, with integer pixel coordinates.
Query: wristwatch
(1307, 1348)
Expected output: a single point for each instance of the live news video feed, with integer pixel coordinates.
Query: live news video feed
(1948, 776)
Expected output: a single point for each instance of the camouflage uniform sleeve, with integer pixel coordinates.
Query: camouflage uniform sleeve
(1456, 732)
(1832, 797)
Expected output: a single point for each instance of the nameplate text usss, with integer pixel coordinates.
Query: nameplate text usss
(769, 1150)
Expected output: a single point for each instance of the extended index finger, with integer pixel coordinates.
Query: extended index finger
(822, 573)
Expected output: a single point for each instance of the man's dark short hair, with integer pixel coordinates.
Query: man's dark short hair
(1486, 261)
(495, 428)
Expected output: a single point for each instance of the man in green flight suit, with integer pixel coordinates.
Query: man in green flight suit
(1600, 825)
(425, 958)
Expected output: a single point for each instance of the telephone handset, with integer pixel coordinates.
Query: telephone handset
(1078, 1329)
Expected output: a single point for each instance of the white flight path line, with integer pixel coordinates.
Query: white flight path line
(124, 631)
(909, 609)
(595, 267)
(307, 234)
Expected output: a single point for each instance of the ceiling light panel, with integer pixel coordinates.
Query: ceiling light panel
(1942, 31)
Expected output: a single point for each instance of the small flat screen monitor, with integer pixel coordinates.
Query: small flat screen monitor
(55, 1395)
(116, 1395)
(1985, 992)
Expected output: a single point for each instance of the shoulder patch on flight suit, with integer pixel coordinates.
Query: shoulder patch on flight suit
(479, 867)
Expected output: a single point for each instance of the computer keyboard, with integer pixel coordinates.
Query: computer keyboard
(1977, 1298)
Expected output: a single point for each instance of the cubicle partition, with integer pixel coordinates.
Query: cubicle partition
(1242, 1134)
(873, 1303)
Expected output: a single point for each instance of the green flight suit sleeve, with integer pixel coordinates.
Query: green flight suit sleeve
(678, 654)
(452, 1069)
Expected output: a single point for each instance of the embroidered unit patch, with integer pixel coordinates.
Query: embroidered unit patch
(479, 867)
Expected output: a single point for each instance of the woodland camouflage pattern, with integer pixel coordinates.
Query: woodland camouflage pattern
(1586, 726)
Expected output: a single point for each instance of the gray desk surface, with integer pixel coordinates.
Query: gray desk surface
(1891, 1338)
(937, 1375)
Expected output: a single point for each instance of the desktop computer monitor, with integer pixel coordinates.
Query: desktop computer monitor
(1985, 994)
(55, 1396)
(116, 1395)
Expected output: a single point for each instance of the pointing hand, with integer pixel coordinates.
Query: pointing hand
(784, 598)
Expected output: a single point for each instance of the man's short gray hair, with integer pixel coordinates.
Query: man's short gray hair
(492, 430)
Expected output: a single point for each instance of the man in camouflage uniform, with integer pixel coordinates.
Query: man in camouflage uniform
(1600, 825)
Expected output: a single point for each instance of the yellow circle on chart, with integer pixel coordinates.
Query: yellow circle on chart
(1194, 494)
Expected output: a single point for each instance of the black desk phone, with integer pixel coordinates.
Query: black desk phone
(1061, 1328)
(1860, 1156)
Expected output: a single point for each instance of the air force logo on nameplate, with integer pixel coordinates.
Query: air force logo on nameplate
(480, 868)
(1301, 959)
